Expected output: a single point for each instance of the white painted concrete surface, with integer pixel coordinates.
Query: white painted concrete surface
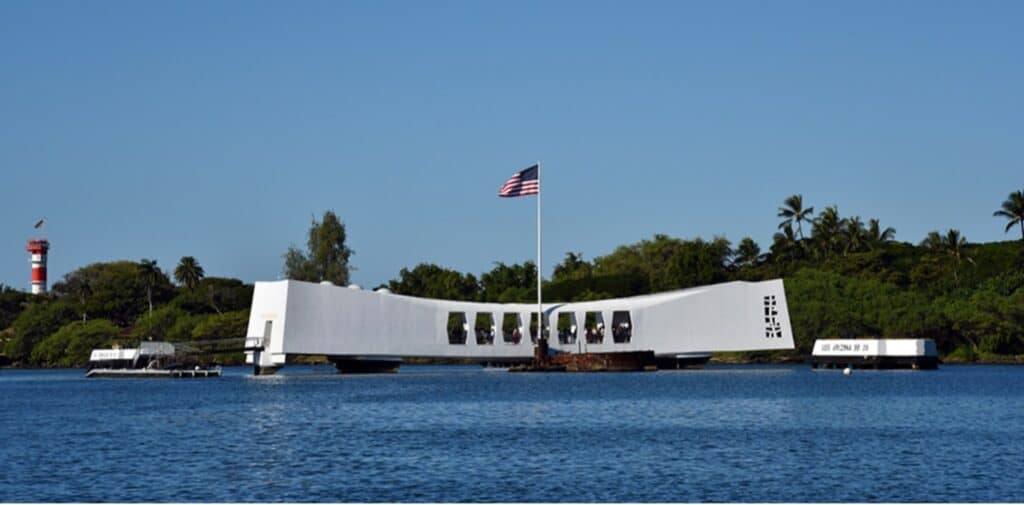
(323, 319)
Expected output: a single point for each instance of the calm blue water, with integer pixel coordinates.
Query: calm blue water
(438, 433)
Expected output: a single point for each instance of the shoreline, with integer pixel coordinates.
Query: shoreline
(715, 360)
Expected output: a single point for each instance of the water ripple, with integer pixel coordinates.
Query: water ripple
(455, 434)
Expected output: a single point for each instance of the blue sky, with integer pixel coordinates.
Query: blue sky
(216, 129)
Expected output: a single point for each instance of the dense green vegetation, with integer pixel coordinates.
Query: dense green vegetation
(844, 278)
(120, 303)
(125, 302)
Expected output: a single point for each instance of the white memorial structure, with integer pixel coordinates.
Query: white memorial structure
(372, 331)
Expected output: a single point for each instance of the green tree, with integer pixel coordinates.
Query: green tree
(819, 308)
(928, 273)
(150, 274)
(748, 253)
(825, 304)
(876, 236)
(188, 272)
(183, 327)
(978, 321)
(432, 281)
(933, 242)
(509, 283)
(953, 245)
(81, 289)
(660, 264)
(157, 324)
(794, 212)
(222, 326)
(629, 262)
(215, 295)
(785, 245)
(12, 302)
(119, 291)
(853, 235)
(326, 257)
(1013, 211)
(72, 344)
(36, 322)
(698, 262)
(827, 232)
(572, 267)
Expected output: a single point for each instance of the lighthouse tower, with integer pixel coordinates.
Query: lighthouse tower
(38, 247)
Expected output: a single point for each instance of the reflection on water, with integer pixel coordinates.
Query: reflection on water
(455, 433)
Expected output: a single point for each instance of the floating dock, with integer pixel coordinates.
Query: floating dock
(879, 354)
(129, 373)
(151, 360)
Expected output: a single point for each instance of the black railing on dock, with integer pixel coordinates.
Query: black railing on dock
(220, 346)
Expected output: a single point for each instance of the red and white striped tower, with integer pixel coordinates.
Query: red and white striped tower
(38, 247)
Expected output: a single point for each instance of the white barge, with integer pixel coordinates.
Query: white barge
(875, 353)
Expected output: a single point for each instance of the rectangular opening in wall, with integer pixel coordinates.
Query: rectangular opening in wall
(268, 328)
(622, 327)
(457, 328)
(566, 328)
(511, 328)
(594, 325)
(484, 328)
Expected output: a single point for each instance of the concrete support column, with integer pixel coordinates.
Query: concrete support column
(607, 316)
(581, 331)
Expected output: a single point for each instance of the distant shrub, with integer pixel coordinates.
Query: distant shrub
(157, 325)
(221, 326)
(71, 345)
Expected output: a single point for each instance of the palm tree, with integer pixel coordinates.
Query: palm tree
(853, 235)
(1013, 210)
(933, 241)
(785, 243)
(149, 274)
(794, 211)
(827, 229)
(748, 252)
(876, 236)
(188, 272)
(81, 287)
(84, 292)
(953, 244)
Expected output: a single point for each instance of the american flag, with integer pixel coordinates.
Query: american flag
(522, 183)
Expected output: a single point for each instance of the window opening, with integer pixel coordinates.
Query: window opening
(622, 327)
(511, 328)
(594, 325)
(457, 328)
(566, 328)
(267, 328)
(484, 328)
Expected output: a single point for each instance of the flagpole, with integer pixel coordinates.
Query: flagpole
(540, 265)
